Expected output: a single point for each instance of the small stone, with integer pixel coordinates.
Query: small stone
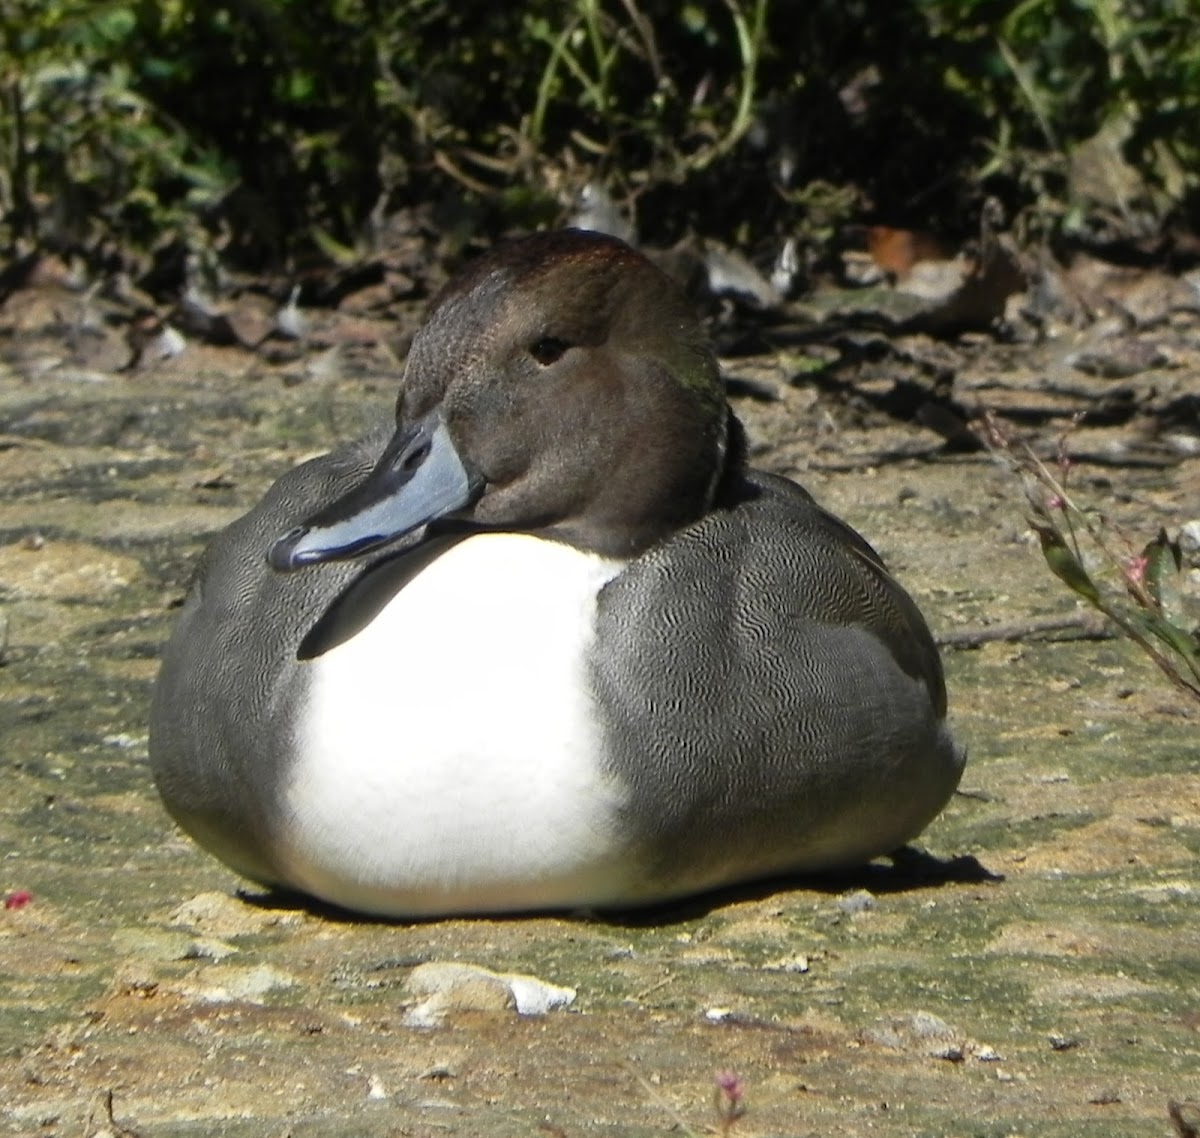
(884, 1037)
(439, 1071)
(168, 344)
(925, 1025)
(218, 914)
(535, 997)
(375, 1088)
(794, 964)
(860, 901)
(208, 948)
(1118, 359)
(225, 984)
(731, 274)
(1189, 543)
(596, 210)
(445, 987)
(441, 987)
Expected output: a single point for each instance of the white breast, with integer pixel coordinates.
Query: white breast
(448, 757)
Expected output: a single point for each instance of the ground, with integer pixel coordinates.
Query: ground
(1036, 974)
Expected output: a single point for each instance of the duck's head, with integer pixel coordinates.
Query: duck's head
(561, 386)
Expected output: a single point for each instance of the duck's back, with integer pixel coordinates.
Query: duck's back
(771, 695)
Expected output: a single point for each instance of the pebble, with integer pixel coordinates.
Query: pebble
(926, 1033)
(794, 964)
(925, 1025)
(221, 915)
(860, 901)
(1189, 543)
(441, 987)
(162, 945)
(224, 984)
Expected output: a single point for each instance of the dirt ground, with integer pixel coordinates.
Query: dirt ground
(1040, 977)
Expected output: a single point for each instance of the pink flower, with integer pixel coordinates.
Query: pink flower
(18, 899)
(727, 1098)
(1135, 570)
(730, 1086)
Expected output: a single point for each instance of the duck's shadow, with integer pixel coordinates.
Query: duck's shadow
(905, 870)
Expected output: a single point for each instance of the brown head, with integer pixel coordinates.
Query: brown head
(561, 386)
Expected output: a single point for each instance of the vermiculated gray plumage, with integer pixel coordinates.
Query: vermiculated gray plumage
(796, 692)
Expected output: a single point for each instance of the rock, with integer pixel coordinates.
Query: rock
(860, 901)
(460, 987)
(794, 964)
(925, 1025)
(1189, 543)
(596, 211)
(731, 274)
(224, 984)
(924, 1033)
(439, 1072)
(1118, 358)
(217, 914)
(159, 944)
(375, 1088)
(251, 320)
(442, 987)
(535, 997)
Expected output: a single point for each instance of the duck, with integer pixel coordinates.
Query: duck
(547, 641)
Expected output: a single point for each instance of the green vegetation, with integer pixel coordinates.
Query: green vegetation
(274, 127)
(1139, 588)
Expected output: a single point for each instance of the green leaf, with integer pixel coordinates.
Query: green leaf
(339, 254)
(1164, 560)
(301, 87)
(1064, 564)
(1183, 644)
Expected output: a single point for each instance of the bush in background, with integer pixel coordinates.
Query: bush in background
(285, 126)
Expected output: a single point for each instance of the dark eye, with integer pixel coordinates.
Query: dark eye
(548, 349)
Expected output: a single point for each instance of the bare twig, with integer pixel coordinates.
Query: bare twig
(1083, 626)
